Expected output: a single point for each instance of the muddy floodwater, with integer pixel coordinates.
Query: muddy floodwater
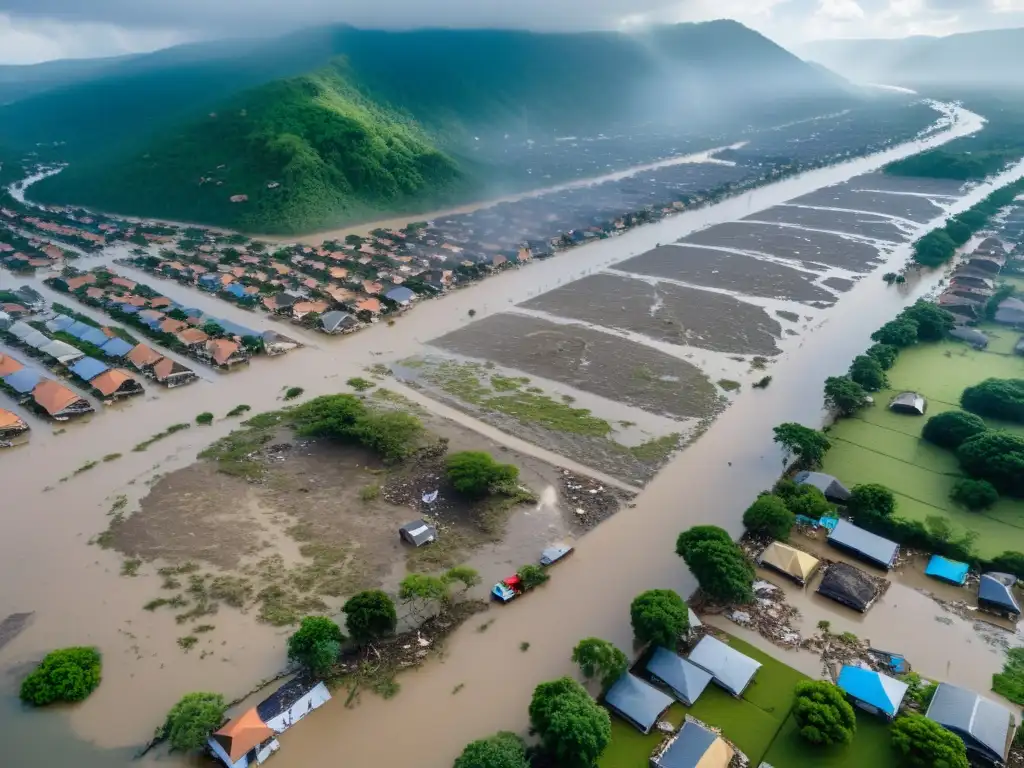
(77, 594)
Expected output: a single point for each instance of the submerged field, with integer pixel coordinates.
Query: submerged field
(878, 446)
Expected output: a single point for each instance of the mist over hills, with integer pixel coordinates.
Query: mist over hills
(991, 58)
(334, 124)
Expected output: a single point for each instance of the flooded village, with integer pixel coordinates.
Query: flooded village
(633, 374)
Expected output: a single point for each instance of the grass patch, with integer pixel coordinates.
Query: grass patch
(238, 410)
(203, 628)
(1010, 682)
(657, 449)
(131, 567)
(86, 467)
(871, 747)
(359, 384)
(160, 436)
(232, 590)
(112, 457)
(204, 419)
(447, 552)
(187, 643)
(729, 385)
(746, 725)
(369, 492)
(293, 392)
(233, 453)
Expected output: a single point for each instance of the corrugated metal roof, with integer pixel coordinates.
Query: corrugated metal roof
(60, 323)
(827, 484)
(685, 678)
(881, 691)
(695, 747)
(78, 329)
(863, 543)
(88, 368)
(731, 669)
(116, 347)
(972, 717)
(94, 336)
(23, 381)
(61, 351)
(637, 701)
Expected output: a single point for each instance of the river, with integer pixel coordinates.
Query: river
(79, 597)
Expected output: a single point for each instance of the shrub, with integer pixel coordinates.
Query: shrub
(823, 714)
(995, 456)
(808, 445)
(934, 249)
(502, 750)
(660, 617)
(359, 384)
(475, 473)
(923, 743)
(844, 395)
(329, 416)
(191, 721)
(1009, 562)
(393, 435)
(68, 674)
(996, 399)
(809, 502)
(573, 729)
(722, 570)
(897, 333)
(316, 643)
(933, 322)
(532, 576)
(238, 410)
(885, 354)
(974, 494)
(871, 497)
(769, 516)
(293, 392)
(950, 428)
(369, 492)
(370, 616)
(204, 419)
(867, 372)
(601, 659)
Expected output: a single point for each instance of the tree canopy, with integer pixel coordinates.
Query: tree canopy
(808, 445)
(897, 333)
(871, 497)
(392, 434)
(532, 576)
(867, 372)
(573, 729)
(844, 395)
(659, 617)
(722, 570)
(475, 473)
(698, 533)
(600, 659)
(933, 322)
(923, 743)
(316, 643)
(502, 750)
(809, 502)
(934, 249)
(822, 713)
(191, 721)
(769, 516)
(996, 456)
(885, 354)
(996, 399)
(974, 494)
(68, 674)
(370, 616)
(950, 428)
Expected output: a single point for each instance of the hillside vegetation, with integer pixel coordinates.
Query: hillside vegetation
(305, 151)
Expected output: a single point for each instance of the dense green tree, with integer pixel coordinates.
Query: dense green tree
(822, 713)
(866, 372)
(475, 473)
(191, 721)
(923, 743)
(722, 570)
(950, 428)
(425, 588)
(659, 617)
(934, 249)
(392, 434)
(600, 659)
(885, 354)
(699, 533)
(329, 416)
(897, 333)
(844, 395)
(769, 516)
(370, 616)
(871, 497)
(995, 456)
(808, 445)
(502, 750)
(1009, 562)
(996, 399)
(68, 674)
(974, 494)
(573, 729)
(316, 643)
(958, 232)
(933, 322)
(809, 502)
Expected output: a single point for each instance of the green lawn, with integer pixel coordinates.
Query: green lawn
(879, 446)
(871, 748)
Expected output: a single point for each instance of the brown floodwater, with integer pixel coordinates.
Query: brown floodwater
(79, 597)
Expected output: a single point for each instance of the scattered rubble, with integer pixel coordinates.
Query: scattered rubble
(590, 501)
(769, 615)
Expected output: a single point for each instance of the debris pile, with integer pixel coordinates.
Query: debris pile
(590, 501)
(769, 614)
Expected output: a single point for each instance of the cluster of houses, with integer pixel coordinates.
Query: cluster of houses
(33, 389)
(25, 254)
(972, 285)
(212, 340)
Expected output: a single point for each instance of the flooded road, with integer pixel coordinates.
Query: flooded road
(79, 597)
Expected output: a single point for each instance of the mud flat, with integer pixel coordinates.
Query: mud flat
(849, 222)
(911, 184)
(730, 271)
(666, 312)
(807, 246)
(906, 206)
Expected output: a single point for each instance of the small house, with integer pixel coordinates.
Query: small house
(142, 356)
(863, 544)
(971, 309)
(23, 380)
(788, 561)
(245, 741)
(275, 343)
(683, 678)
(11, 425)
(872, 691)
(116, 383)
(292, 702)
(225, 353)
(337, 322)
(995, 592)
(950, 571)
(834, 491)
(59, 401)
(116, 347)
(61, 351)
(986, 728)
(417, 533)
(729, 668)
(693, 746)
(8, 365)
(850, 586)
(88, 368)
(402, 296)
(638, 703)
(172, 374)
(910, 403)
(975, 338)
(1010, 312)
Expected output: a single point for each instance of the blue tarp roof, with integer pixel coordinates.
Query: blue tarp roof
(688, 748)
(23, 381)
(116, 347)
(88, 368)
(60, 323)
(637, 701)
(881, 691)
(129, 309)
(947, 570)
(95, 336)
(993, 588)
(235, 290)
(78, 329)
(686, 679)
(864, 544)
(399, 294)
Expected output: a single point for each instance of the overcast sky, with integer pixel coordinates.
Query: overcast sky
(38, 30)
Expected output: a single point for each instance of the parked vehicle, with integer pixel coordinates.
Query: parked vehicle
(552, 555)
(507, 589)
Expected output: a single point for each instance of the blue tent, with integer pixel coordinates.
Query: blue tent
(947, 570)
(95, 336)
(78, 329)
(88, 368)
(637, 702)
(23, 381)
(873, 690)
(116, 347)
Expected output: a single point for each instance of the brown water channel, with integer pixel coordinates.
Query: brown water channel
(79, 598)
